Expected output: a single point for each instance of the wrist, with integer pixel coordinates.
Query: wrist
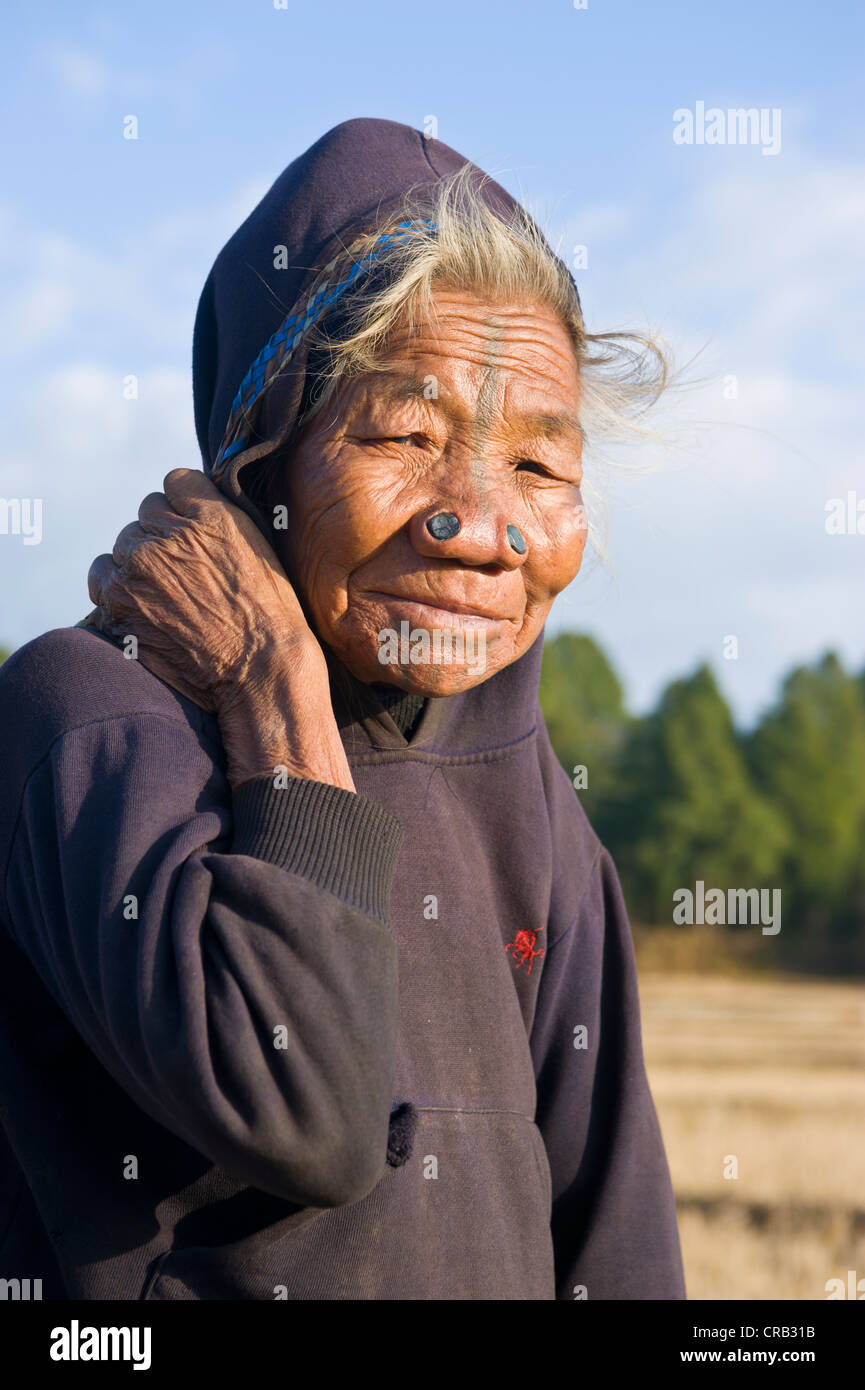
(280, 722)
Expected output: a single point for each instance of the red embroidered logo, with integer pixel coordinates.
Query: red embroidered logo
(524, 948)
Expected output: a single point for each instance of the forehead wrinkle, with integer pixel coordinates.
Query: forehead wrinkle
(402, 386)
(397, 385)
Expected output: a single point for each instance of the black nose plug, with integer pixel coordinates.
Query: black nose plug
(443, 526)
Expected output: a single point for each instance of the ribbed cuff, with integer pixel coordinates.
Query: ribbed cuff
(338, 840)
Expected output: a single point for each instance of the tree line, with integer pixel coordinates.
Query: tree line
(680, 795)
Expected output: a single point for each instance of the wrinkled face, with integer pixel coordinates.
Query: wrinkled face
(474, 416)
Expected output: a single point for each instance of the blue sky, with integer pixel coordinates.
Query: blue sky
(752, 261)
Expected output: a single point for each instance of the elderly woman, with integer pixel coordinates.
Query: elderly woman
(317, 984)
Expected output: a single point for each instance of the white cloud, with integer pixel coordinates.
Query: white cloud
(92, 457)
(763, 273)
(142, 289)
(80, 72)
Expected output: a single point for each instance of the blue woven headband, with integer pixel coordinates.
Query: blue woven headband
(278, 350)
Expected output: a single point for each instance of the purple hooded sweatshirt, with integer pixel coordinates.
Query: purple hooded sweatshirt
(296, 1042)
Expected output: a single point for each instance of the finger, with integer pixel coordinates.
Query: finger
(99, 578)
(193, 495)
(156, 515)
(130, 537)
(190, 492)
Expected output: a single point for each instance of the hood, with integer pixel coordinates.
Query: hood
(270, 282)
(274, 278)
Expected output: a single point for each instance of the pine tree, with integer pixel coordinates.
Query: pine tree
(685, 807)
(583, 706)
(809, 755)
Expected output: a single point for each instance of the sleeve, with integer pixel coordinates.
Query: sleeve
(614, 1226)
(244, 996)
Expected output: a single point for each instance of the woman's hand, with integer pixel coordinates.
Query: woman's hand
(216, 618)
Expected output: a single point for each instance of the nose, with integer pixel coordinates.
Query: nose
(462, 531)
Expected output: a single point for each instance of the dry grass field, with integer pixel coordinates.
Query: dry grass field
(768, 1071)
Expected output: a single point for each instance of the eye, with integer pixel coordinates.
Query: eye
(405, 439)
(532, 466)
